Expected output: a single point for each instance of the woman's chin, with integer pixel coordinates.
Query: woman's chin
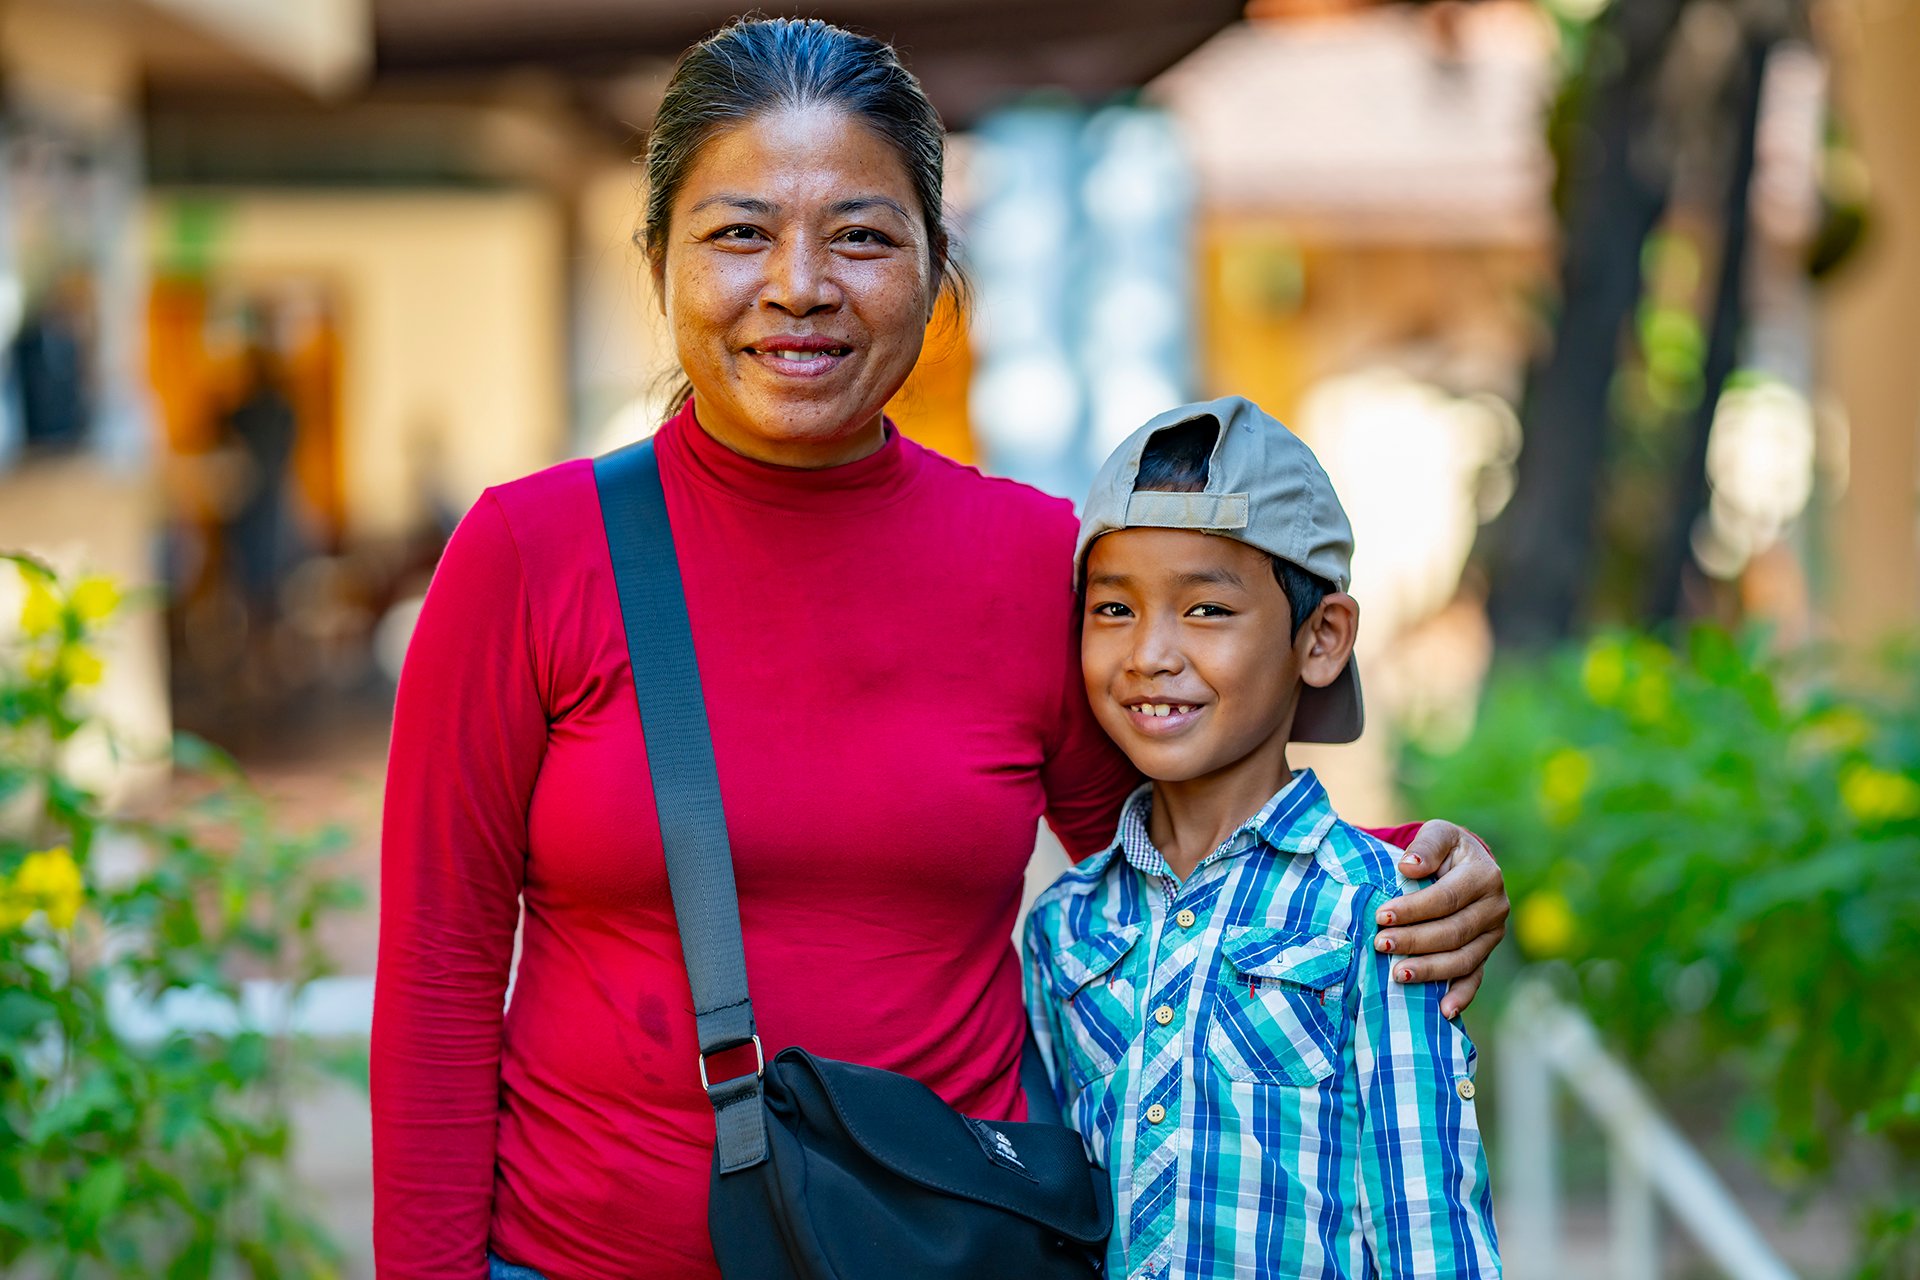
(797, 430)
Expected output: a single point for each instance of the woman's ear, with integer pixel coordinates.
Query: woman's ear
(1327, 639)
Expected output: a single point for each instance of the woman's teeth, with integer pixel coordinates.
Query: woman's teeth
(809, 355)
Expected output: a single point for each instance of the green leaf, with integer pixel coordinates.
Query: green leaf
(97, 1196)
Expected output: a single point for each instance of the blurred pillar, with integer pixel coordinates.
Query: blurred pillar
(1872, 330)
(1029, 407)
(72, 83)
(1082, 251)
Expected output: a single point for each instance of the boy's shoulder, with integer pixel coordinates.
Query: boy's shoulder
(1084, 879)
(1358, 858)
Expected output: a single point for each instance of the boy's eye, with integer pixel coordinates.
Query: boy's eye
(1209, 611)
(1111, 609)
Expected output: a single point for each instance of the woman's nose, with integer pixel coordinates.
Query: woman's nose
(800, 278)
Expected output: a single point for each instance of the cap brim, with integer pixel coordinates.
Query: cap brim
(1332, 714)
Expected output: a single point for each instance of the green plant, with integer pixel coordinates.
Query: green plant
(123, 1153)
(1718, 853)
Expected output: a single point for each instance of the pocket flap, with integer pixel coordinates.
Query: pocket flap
(1078, 961)
(1314, 960)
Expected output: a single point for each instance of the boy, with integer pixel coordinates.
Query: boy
(1265, 1098)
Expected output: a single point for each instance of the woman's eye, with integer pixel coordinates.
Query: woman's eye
(864, 236)
(739, 232)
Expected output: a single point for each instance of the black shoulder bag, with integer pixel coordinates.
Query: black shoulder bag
(822, 1170)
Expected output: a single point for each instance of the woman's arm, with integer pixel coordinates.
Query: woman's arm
(469, 731)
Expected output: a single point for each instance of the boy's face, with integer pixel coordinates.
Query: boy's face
(1197, 624)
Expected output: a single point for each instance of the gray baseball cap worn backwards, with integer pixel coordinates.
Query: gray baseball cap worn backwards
(1265, 488)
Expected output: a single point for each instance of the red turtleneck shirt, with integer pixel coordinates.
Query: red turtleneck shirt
(887, 650)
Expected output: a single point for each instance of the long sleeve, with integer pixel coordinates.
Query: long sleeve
(1426, 1205)
(469, 733)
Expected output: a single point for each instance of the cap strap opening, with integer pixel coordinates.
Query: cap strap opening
(1154, 510)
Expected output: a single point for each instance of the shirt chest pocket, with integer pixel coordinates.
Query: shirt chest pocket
(1277, 1005)
(1098, 991)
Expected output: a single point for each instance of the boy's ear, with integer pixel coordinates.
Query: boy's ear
(1326, 642)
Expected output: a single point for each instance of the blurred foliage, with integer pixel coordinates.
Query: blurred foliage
(125, 1150)
(1717, 853)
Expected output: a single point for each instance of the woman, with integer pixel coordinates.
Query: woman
(886, 642)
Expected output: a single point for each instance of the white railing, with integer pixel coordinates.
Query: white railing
(1543, 1042)
(328, 1007)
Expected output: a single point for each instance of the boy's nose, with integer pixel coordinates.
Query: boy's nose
(1155, 653)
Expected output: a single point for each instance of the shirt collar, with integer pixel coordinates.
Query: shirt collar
(1295, 820)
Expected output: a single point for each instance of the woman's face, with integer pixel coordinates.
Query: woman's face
(798, 284)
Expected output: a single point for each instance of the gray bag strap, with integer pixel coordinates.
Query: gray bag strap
(686, 788)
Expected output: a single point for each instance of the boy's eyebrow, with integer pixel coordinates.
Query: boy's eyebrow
(1192, 578)
(1210, 577)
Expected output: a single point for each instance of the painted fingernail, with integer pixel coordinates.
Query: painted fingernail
(1385, 944)
(1386, 917)
(1406, 975)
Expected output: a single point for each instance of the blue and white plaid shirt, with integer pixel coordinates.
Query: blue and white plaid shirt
(1267, 1101)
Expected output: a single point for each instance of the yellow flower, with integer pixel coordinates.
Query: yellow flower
(1544, 924)
(40, 613)
(1648, 697)
(14, 912)
(1840, 729)
(1563, 783)
(95, 598)
(1604, 673)
(80, 665)
(1877, 795)
(50, 881)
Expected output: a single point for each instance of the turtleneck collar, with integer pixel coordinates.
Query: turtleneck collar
(865, 484)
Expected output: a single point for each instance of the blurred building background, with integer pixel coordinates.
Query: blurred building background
(1599, 315)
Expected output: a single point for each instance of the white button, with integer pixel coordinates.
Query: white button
(1185, 919)
(1465, 1089)
(1163, 1015)
(1156, 1113)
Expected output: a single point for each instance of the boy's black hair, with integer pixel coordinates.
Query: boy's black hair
(1176, 462)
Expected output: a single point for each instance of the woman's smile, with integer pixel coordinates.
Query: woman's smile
(799, 357)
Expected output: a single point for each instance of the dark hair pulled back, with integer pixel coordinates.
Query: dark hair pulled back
(757, 65)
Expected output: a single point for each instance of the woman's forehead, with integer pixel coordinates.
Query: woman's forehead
(801, 157)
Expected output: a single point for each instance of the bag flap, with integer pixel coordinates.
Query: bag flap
(1081, 960)
(1036, 1171)
(1309, 959)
